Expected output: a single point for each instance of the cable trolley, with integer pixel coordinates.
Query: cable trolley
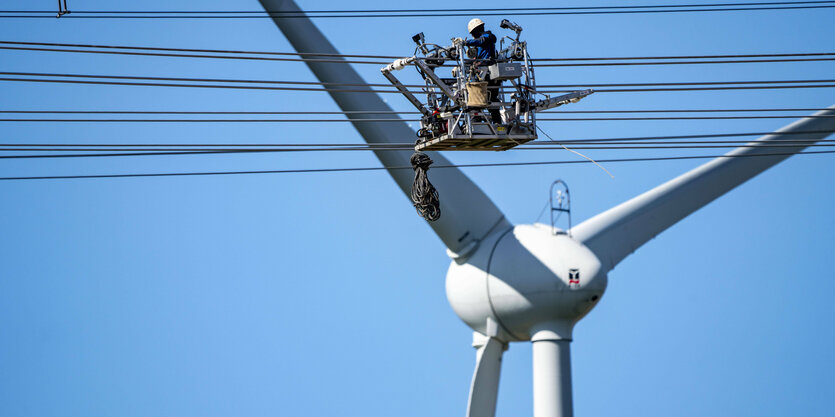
(470, 107)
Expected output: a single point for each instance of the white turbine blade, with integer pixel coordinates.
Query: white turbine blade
(467, 214)
(484, 389)
(617, 232)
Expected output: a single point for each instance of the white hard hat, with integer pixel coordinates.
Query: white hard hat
(474, 24)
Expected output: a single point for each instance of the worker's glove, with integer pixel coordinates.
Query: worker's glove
(457, 41)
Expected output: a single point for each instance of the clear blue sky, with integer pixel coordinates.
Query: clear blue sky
(323, 294)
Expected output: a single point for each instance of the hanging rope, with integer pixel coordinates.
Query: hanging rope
(575, 152)
(424, 195)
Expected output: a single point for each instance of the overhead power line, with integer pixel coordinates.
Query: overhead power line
(689, 110)
(129, 150)
(215, 151)
(666, 57)
(357, 88)
(505, 9)
(104, 147)
(735, 61)
(389, 13)
(336, 84)
(324, 170)
(222, 80)
(316, 112)
(101, 147)
(173, 55)
(696, 136)
(682, 83)
(407, 145)
(215, 86)
(208, 51)
(317, 54)
(539, 119)
(139, 153)
(243, 87)
(366, 59)
(684, 59)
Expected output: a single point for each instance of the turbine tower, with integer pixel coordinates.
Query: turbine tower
(525, 283)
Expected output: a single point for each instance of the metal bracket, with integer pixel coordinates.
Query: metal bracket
(62, 8)
(572, 97)
(409, 96)
(434, 77)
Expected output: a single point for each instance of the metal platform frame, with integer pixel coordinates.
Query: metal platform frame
(448, 123)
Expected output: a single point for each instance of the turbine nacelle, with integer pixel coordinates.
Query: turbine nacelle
(531, 282)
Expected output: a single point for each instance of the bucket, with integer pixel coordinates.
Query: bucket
(477, 94)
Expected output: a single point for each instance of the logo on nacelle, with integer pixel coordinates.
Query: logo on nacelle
(573, 278)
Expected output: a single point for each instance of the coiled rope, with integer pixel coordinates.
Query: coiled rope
(424, 195)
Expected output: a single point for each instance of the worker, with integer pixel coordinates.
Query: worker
(485, 42)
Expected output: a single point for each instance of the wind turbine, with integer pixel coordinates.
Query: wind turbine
(525, 283)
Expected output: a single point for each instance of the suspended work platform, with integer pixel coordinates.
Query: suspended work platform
(479, 104)
(474, 143)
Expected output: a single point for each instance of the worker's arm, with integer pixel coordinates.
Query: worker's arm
(481, 40)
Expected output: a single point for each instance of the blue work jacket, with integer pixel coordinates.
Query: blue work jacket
(486, 44)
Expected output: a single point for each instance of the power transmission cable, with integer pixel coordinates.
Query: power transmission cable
(392, 13)
(156, 112)
(505, 9)
(324, 170)
(677, 59)
(541, 62)
(197, 149)
(316, 54)
(215, 86)
(332, 84)
(427, 202)
(407, 145)
(602, 144)
(236, 52)
(541, 146)
(647, 90)
(657, 57)
(247, 81)
(394, 146)
(568, 119)
(540, 119)
(172, 55)
(721, 85)
(737, 61)
(698, 136)
(682, 83)
(315, 112)
(684, 110)
(420, 200)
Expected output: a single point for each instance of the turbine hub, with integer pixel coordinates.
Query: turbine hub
(528, 280)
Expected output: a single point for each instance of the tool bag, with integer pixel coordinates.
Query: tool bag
(477, 94)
